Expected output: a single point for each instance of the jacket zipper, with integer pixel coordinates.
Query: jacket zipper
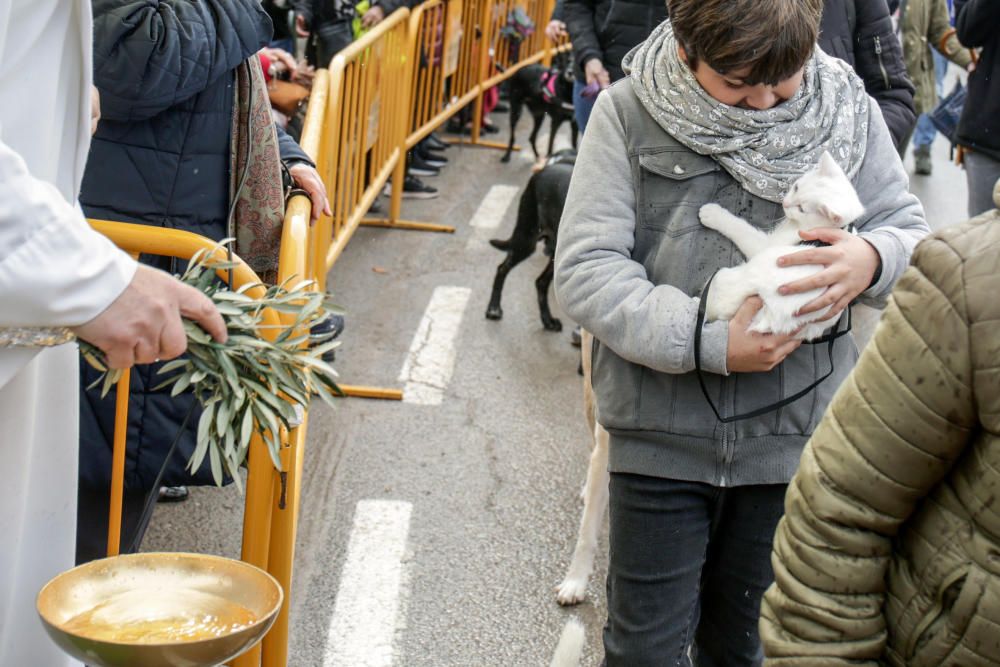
(934, 612)
(881, 65)
(727, 449)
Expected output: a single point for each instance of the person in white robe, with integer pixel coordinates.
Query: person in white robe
(55, 271)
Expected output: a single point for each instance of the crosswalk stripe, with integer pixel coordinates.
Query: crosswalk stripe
(494, 207)
(431, 360)
(366, 613)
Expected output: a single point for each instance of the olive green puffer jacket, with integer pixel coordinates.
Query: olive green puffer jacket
(926, 26)
(889, 553)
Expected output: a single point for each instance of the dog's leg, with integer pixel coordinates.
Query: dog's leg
(555, 122)
(576, 130)
(538, 116)
(542, 283)
(515, 116)
(573, 588)
(517, 254)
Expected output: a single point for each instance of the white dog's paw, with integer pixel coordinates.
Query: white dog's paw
(571, 591)
(712, 215)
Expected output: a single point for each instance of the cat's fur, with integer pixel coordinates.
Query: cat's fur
(823, 197)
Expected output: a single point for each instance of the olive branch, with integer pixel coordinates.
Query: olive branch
(250, 382)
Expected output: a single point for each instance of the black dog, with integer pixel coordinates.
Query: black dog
(545, 91)
(538, 215)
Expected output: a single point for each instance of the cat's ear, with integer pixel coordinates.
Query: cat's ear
(830, 214)
(828, 166)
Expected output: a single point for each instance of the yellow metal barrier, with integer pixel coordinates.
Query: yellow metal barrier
(363, 126)
(501, 57)
(269, 518)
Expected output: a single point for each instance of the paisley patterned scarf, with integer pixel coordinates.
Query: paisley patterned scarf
(764, 150)
(257, 204)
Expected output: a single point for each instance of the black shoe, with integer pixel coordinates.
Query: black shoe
(489, 128)
(433, 159)
(501, 107)
(436, 144)
(414, 188)
(173, 494)
(330, 328)
(420, 167)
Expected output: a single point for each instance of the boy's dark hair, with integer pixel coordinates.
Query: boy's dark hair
(774, 38)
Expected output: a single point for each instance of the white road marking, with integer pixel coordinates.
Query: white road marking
(431, 360)
(494, 206)
(490, 214)
(367, 609)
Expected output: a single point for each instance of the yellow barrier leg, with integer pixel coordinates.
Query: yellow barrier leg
(396, 204)
(118, 464)
(257, 521)
(358, 391)
(281, 557)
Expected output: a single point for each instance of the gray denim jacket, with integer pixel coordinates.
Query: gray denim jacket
(631, 260)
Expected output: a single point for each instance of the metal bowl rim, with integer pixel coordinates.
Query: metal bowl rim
(265, 618)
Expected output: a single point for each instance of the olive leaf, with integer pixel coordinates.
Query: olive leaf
(251, 383)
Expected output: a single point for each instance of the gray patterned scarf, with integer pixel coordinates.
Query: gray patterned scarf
(764, 150)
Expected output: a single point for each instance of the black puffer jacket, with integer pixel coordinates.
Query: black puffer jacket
(978, 25)
(161, 157)
(860, 32)
(608, 29)
(320, 12)
(857, 31)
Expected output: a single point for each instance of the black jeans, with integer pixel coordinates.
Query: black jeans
(328, 40)
(689, 566)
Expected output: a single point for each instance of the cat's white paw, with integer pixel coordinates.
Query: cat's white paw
(712, 215)
(571, 591)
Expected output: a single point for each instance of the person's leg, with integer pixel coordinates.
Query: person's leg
(981, 173)
(737, 572)
(582, 106)
(331, 39)
(659, 533)
(924, 133)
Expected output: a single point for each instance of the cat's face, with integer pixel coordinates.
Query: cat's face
(823, 197)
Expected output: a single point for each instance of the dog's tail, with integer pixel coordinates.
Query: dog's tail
(570, 647)
(526, 227)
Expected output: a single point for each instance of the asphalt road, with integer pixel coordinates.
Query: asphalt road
(453, 522)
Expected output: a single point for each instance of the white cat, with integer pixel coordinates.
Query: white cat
(823, 197)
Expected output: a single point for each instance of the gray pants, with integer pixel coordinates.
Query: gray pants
(982, 173)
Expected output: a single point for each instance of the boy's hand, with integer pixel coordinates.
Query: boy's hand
(850, 263)
(750, 352)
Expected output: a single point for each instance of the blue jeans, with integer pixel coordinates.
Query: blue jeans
(925, 132)
(582, 106)
(689, 565)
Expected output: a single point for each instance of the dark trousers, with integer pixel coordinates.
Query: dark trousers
(92, 515)
(689, 566)
(328, 40)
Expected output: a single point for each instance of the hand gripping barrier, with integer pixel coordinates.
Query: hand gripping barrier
(272, 497)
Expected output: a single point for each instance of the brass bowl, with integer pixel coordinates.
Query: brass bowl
(165, 582)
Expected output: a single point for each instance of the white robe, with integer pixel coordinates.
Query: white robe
(54, 271)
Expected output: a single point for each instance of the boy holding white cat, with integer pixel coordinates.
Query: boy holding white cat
(729, 102)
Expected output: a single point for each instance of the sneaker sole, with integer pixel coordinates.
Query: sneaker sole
(419, 195)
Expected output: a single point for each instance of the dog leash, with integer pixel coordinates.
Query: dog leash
(829, 338)
(150, 500)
